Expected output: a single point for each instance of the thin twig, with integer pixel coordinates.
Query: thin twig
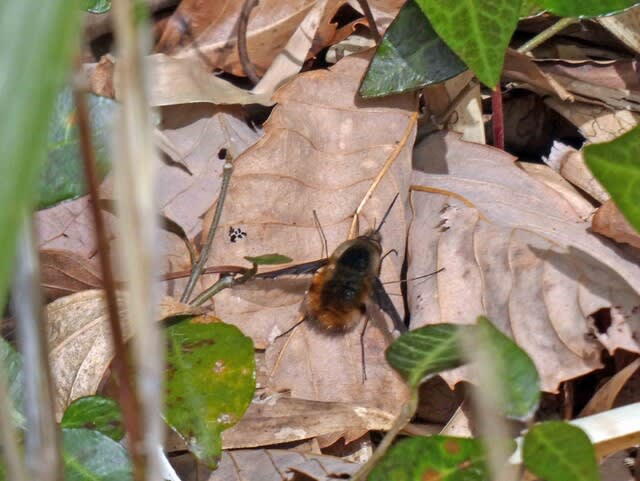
(204, 254)
(497, 118)
(407, 412)
(169, 276)
(127, 395)
(243, 21)
(372, 21)
(224, 282)
(547, 34)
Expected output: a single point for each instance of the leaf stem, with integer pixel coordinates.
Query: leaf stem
(243, 21)
(371, 20)
(547, 33)
(407, 412)
(129, 402)
(224, 282)
(204, 254)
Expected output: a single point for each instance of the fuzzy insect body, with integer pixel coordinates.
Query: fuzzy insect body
(340, 291)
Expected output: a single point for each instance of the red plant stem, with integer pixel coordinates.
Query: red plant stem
(497, 118)
(127, 395)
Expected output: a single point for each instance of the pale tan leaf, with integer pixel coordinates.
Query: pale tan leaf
(604, 398)
(517, 251)
(610, 222)
(595, 122)
(278, 419)
(213, 25)
(625, 26)
(570, 164)
(278, 465)
(80, 342)
(521, 68)
(323, 147)
(64, 272)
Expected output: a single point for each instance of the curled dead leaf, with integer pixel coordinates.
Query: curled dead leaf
(609, 221)
(517, 251)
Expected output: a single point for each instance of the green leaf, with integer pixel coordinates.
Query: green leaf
(96, 413)
(441, 458)
(425, 351)
(558, 451)
(514, 369)
(410, 56)
(268, 259)
(478, 31)
(530, 8)
(616, 165)
(92, 456)
(32, 72)
(210, 383)
(585, 8)
(97, 6)
(11, 362)
(63, 177)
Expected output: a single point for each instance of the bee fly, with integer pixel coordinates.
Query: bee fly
(343, 285)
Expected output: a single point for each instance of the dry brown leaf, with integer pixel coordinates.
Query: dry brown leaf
(64, 272)
(614, 84)
(278, 419)
(570, 164)
(323, 147)
(80, 342)
(610, 222)
(605, 397)
(277, 465)
(625, 26)
(521, 68)
(595, 122)
(516, 251)
(213, 24)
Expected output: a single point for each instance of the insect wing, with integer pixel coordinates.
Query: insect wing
(381, 298)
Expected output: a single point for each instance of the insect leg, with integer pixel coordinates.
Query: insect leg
(304, 318)
(364, 366)
(381, 298)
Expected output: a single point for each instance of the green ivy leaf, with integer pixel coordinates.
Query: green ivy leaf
(478, 31)
(616, 165)
(96, 413)
(268, 259)
(441, 458)
(530, 8)
(97, 6)
(425, 351)
(63, 177)
(585, 8)
(92, 456)
(557, 451)
(513, 368)
(210, 383)
(11, 362)
(410, 56)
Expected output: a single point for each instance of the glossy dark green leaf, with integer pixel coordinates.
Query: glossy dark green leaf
(210, 383)
(63, 177)
(96, 413)
(11, 362)
(410, 56)
(585, 8)
(32, 72)
(558, 451)
(478, 31)
(441, 458)
(92, 456)
(616, 165)
(268, 259)
(514, 369)
(426, 351)
(97, 6)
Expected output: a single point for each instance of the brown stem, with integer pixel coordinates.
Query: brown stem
(127, 395)
(497, 118)
(371, 20)
(243, 21)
